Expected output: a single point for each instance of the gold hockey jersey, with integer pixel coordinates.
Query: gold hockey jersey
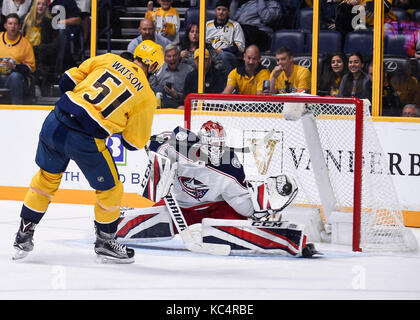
(108, 94)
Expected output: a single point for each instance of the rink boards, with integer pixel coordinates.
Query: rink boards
(19, 137)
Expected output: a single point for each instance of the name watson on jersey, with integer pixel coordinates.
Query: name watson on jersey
(128, 75)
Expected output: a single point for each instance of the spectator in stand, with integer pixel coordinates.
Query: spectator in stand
(410, 110)
(391, 104)
(212, 82)
(406, 87)
(225, 36)
(413, 44)
(249, 76)
(20, 7)
(356, 83)
(84, 6)
(257, 18)
(327, 10)
(288, 77)
(147, 32)
(166, 19)
(169, 83)
(347, 10)
(331, 79)
(188, 45)
(17, 59)
(37, 28)
(66, 18)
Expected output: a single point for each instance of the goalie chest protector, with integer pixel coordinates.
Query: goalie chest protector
(198, 181)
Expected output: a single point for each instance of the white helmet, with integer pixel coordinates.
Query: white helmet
(213, 136)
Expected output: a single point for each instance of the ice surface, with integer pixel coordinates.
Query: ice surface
(62, 266)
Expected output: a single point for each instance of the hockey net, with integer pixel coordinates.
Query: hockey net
(337, 138)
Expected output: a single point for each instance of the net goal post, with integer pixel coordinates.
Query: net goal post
(328, 145)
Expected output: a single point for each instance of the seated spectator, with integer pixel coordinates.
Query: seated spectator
(212, 83)
(170, 80)
(406, 87)
(410, 110)
(257, 19)
(17, 59)
(369, 9)
(166, 19)
(147, 32)
(330, 80)
(20, 7)
(413, 44)
(356, 83)
(188, 45)
(66, 18)
(391, 104)
(37, 28)
(350, 17)
(288, 77)
(84, 6)
(225, 36)
(249, 76)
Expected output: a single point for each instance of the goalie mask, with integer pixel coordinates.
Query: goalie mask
(213, 136)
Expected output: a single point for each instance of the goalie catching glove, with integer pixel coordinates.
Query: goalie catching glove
(272, 195)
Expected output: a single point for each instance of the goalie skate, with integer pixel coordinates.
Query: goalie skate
(109, 250)
(24, 240)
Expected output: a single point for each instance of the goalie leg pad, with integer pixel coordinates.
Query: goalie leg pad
(145, 225)
(255, 237)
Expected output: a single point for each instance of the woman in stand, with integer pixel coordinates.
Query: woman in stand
(331, 78)
(38, 29)
(356, 83)
(189, 43)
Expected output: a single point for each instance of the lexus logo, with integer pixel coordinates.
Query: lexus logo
(305, 63)
(391, 66)
(266, 62)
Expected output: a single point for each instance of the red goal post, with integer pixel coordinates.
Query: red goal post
(325, 150)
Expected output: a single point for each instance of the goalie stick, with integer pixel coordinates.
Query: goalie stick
(184, 231)
(247, 149)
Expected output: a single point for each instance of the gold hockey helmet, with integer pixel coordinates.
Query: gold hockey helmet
(151, 54)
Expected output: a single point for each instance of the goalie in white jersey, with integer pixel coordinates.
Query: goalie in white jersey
(204, 180)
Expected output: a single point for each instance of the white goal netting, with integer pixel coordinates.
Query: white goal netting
(248, 119)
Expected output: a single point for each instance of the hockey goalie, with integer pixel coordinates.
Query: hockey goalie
(200, 191)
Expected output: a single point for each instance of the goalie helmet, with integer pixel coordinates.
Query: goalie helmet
(213, 136)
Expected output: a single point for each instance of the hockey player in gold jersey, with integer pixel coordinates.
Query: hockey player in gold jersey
(106, 94)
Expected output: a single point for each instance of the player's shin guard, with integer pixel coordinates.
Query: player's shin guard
(43, 187)
(107, 206)
(256, 237)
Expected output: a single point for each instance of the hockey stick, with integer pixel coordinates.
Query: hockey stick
(247, 149)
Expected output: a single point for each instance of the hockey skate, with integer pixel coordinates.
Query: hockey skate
(24, 242)
(109, 250)
(310, 251)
